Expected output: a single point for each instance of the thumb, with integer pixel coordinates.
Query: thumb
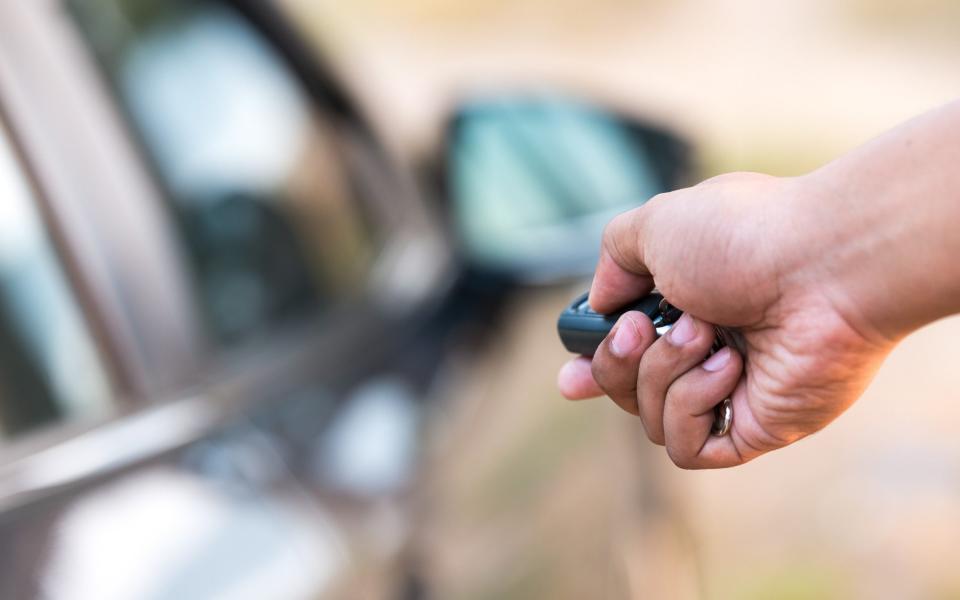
(622, 274)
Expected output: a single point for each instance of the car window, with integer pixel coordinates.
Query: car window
(254, 169)
(50, 370)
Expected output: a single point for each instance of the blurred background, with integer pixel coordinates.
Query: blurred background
(223, 379)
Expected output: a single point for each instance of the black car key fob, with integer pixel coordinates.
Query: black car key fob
(582, 329)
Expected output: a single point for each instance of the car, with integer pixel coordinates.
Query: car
(224, 305)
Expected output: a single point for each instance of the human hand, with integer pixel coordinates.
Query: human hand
(754, 254)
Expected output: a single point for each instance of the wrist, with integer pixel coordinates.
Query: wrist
(843, 244)
(882, 247)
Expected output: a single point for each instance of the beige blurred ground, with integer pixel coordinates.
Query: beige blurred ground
(531, 497)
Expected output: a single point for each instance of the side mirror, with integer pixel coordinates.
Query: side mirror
(533, 181)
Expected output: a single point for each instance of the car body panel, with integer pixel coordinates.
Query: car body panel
(215, 473)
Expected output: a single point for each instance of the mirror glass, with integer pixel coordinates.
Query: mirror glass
(532, 183)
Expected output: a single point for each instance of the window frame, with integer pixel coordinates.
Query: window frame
(88, 174)
(328, 105)
(78, 293)
(401, 224)
(46, 102)
(50, 435)
(95, 198)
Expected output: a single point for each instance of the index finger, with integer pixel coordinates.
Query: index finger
(622, 274)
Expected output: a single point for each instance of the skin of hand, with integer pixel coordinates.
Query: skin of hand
(806, 270)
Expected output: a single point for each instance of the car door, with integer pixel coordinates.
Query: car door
(106, 495)
(246, 309)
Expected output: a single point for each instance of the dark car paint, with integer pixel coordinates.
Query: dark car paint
(316, 366)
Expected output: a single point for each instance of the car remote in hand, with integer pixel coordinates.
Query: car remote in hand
(582, 329)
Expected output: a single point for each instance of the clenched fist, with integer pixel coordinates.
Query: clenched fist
(818, 275)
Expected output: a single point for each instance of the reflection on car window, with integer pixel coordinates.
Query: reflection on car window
(49, 368)
(253, 169)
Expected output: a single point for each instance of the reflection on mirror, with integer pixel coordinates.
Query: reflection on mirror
(534, 181)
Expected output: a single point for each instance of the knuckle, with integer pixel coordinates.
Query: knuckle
(616, 225)
(655, 206)
(657, 199)
(659, 362)
(631, 221)
(735, 177)
(656, 438)
(628, 404)
(653, 434)
(689, 395)
(615, 237)
(680, 459)
(676, 396)
(647, 369)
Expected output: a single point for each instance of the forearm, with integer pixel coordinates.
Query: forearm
(888, 215)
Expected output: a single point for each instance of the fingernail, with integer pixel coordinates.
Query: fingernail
(718, 361)
(626, 338)
(683, 331)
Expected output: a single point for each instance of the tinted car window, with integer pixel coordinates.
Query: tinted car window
(253, 167)
(49, 368)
